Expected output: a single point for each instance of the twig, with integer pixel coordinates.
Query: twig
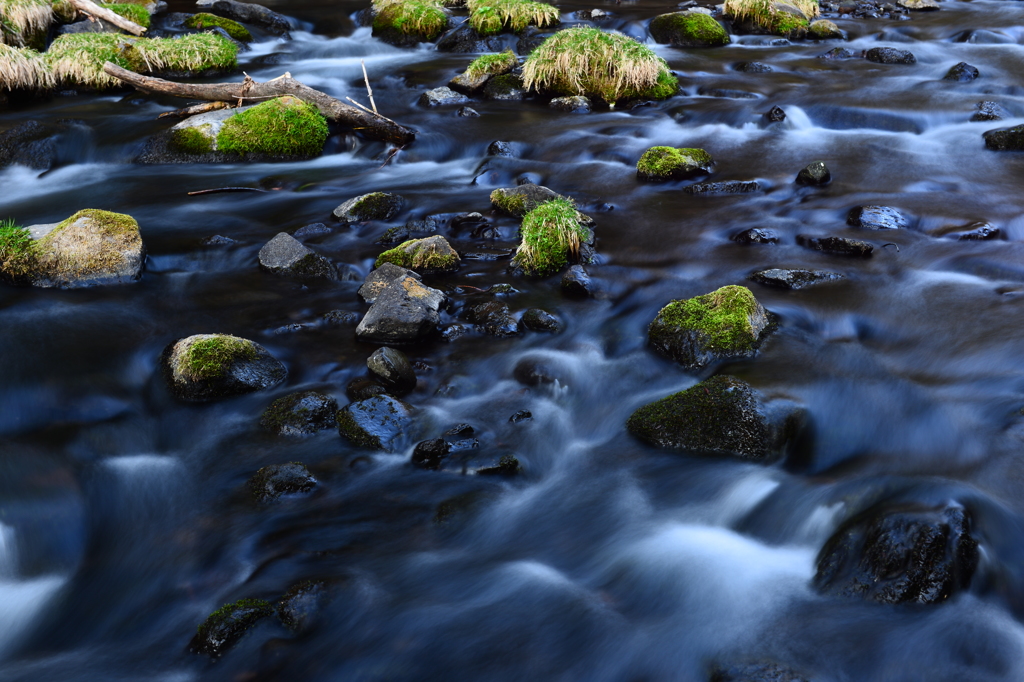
(225, 189)
(369, 92)
(891, 244)
(394, 150)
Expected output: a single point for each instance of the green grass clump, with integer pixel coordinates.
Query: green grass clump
(78, 58)
(285, 126)
(764, 15)
(552, 233)
(234, 29)
(134, 13)
(488, 17)
(22, 68)
(723, 316)
(492, 64)
(418, 18)
(591, 62)
(17, 252)
(689, 29)
(209, 356)
(195, 53)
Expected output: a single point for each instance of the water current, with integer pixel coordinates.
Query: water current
(124, 518)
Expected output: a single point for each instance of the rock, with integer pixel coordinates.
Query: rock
(501, 148)
(898, 554)
(752, 67)
(876, 218)
(372, 206)
(837, 246)
(300, 607)
(393, 369)
(756, 235)
(271, 482)
(453, 332)
(721, 416)
(793, 279)
(381, 422)
(988, 111)
(405, 311)
(225, 626)
(983, 37)
(411, 230)
(531, 371)
(32, 144)
(506, 87)
(538, 320)
(468, 112)
(87, 26)
(210, 366)
(518, 201)
(91, 248)
(312, 230)
(1005, 139)
(494, 318)
(576, 282)
(443, 96)
(404, 24)
(688, 29)
(340, 317)
(919, 5)
(379, 279)
(465, 39)
(962, 73)
(756, 672)
(300, 414)
(206, 21)
(576, 104)
(362, 388)
(815, 174)
(429, 454)
(469, 83)
(248, 13)
(431, 255)
(669, 163)
(729, 187)
(980, 232)
(775, 115)
(520, 416)
(890, 55)
(823, 29)
(508, 465)
(286, 255)
(695, 332)
(839, 53)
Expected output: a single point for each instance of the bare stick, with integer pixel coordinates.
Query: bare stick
(391, 155)
(218, 190)
(93, 10)
(369, 92)
(195, 109)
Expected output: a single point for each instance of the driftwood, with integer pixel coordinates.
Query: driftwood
(369, 124)
(94, 10)
(195, 109)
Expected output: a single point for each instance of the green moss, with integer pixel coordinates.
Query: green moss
(432, 254)
(225, 625)
(664, 163)
(210, 357)
(285, 126)
(823, 29)
(17, 252)
(424, 20)
(552, 234)
(492, 64)
(233, 28)
(488, 17)
(350, 428)
(787, 24)
(134, 13)
(694, 28)
(723, 316)
(513, 204)
(120, 231)
(192, 140)
(78, 58)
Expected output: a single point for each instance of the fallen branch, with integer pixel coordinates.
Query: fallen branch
(218, 190)
(247, 13)
(93, 10)
(373, 126)
(195, 109)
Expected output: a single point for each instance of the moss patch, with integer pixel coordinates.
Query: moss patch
(724, 316)
(488, 17)
(552, 234)
(63, 256)
(424, 20)
(492, 64)
(666, 163)
(210, 356)
(432, 254)
(192, 140)
(285, 126)
(513, 204)
(688, 29)
(134, 13)
(233, 28)
(194, 53)
(226, 625)
(17, 253)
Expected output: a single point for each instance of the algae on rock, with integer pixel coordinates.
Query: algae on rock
(233, 28)
(670, 163)
(208, 366)
(428, 255)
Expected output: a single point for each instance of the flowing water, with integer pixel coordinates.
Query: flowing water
(124, 518)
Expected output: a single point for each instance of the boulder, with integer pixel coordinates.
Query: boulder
(793, 279)
(443, 96)
(33, 144)
(1005, 139)
(688, 29)
(576, 104)
(756, 235)
(300, 414)
(210, 366)
(286, 255)
(271, 482)
(669, 163)
(815, 174)
(372, 206)
(405, 311)
(894, 554)
(890, 55)
(518, 201)
(876, 218)
(836, 246)
(839, 53)
(392, 368)
(506, 87)
(962, 73)
(988, 111)
(379, 279)
(823, 29)
(299, 607)
(494, 318)
(381, 422)
(431, 255)
(538, 320)
(225, 626)
(724, 324)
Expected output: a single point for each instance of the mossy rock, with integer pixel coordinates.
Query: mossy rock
(271, 482)
(721, 415)
(407, 22)
(300, 414)
(381, 423)
(688, 29)
(518, 201)
(823, 29)
(225, 626)
(234, 29)
(695, 332)
(210, 366)
(789, 19)
(553, 235)
(489, 17)
(372, 206)
(426, 256)
(659, 164)
(282, 127)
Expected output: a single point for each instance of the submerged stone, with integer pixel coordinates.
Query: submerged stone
(757, 672)
(210, 366)
(299, 607)
(756, 235)
(539, 320)
(890, 55)
(271, 482)
(225, 626)
(793, 279)
(876, 218)
(729, 187)
(671, 163)
(381, 422)
(300, 414)
(837, 246)
(962, 73)
(988, 111)
(286, 255)
(372, 206)
(576, 104)
(815, 174)
(494, 318)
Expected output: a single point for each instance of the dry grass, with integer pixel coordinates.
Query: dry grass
(763, 13)
(189, 53)
(78, 58)
(22, 68)
(22, 19)
(488, 17)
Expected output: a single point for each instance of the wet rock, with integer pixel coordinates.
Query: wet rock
(502, 289)
(431, 255)
(538, 320)
(362, 388)
(531, 371)
(721, 415)
(465, 39)
(670, 163)
(688, 29)
(980, 232)
(411, 230)
(405, 311)
(919, 5)
(756, 235)
(521, 416)
(577, 283)
(300, 607)
(430, 454)
(890, 55)
(752, 67)
(695, 332)
(393, 369)
(494, 318)
(218, 240)
(520, 200)
(815, 174)
(793, 279)
(380, 278)
(506, 87)
(372, 206)
(961, 73)
(210, 366)
(286, 255)
(225, 626)
(271, 482)
(839, 53)
(988, 111)
(340, 317)
(530, 39)
(775, 115)
(312, 230)
(983, 37)
(876, 218)
(381, 422)
(728, 187)
(501, 148)
(757, 672)
(823, 29)
(248, 13)
(443, 96)
(469, 83)
(836, 246)
(726, 93)
(507, 465)
(32, 144)
(1005, 139)
(453, 332)
(577, 104)
(900, 554)
(300, 414)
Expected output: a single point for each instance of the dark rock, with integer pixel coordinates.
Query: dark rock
(372, 206)
(890, 55)
(756, 672)
(900, 554)
(379, 279)
(414, 229)
(31, 144)
(468, 112)
(839, 53)
(248, 13)
(465, 39)
(290, 328)
(506, 87)
(428, 256)
(980, 232)
(876, 218)
(530, 39)
(962, 73)
(793, 279)
(576, 282)
(538, 320)
(837, 246)
(502, 289)
(300, 414)
(460, 430)
(453, 332)
(210, 366)
(576, 104)
(393, 369)
(300, 607)
(756, 235)
(520, 416)
(752, 67)
(520, 200)
(87, 26)
(271, 482)
(362, 388)
(340, 317)
(443, 96)
(726, 93)
(815, 173)
(533, 372)
(494, 318)
(218, 240)
(508, 465)
(429, 454)
(225, 626)
(728, 187)
(312, 230)
(469, 83)
(988, 111)
(405, 311)
(286, 255)
(381, 422)
(983, 37)
(775, 115)
(501, 148)
(1005, 139)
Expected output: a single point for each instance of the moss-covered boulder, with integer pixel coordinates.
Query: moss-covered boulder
(372, 206)
(659, 164)
(426, 256)
(300, 414)
(488, 17)
(271, 482)
(595, 63)
(204, 20)
(481, 69)
(381, 423)
(721, 415)
(688, 29)
(695, 332)
(225, 626)
(823, 29)
(210, 366)
(553, 234)
(90, 248)
(407, 22)
(787, 18)
(518, 201)
(1005, 139)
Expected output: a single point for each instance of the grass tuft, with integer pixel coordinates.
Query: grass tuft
(22, 68)
(17, 252)
(765, 15)
(492, 64)
(552, 234)
(423, 19)
(488, 17)
(22, 20)
(131, 12)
